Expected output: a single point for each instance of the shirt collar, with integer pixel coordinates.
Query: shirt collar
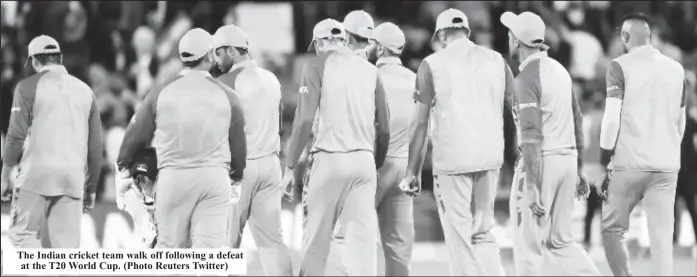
(388, 60)
(54, 67)
(531, 58)
(647, 47)
(187, 71)
(338, 49)
(244, 63)
(461, 42)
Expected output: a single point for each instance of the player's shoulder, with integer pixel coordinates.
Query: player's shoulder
(266, 75)
(29, 84)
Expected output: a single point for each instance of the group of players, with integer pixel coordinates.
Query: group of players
(363, 118)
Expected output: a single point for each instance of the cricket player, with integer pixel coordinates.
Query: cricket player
(394, 207)
(260, 200)
(198, 129)
(551, 138)
(640, 138)
(462, 90)
(359, 27)
(55, 140)
(351, 137)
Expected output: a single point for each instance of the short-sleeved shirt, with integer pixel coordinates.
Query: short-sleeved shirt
(346, 87)
(260, 96)
(544, 105)
(399, 83)
(466, 86)
(652, 89)
(195, 120)
(54, 134)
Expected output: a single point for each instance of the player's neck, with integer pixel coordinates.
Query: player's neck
(526, 53)
(638, 45)
(357, 46)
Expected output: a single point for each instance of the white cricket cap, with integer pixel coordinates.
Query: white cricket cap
(390, 36)
(196, 42)
(451, 18)
(43, 44)
(527, 27)
(230, 35)
(359, 23)
(328, 28)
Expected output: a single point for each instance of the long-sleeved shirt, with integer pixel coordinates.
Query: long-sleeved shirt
(466, 86)
(196, 121)
(260, 96)
(644, 118)
(399, 83)
(55, 134)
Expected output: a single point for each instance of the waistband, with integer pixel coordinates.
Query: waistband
(263, 156)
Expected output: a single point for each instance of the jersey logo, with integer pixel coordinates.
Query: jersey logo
(15, 109)
(303, 90)
(611, 88)
(133, 119)
(527, 105)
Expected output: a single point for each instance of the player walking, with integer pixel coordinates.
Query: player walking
(640, 139)
(464, 86)
(55, 134)
(198, 127)
(260, 96)
(551, 138)
(345, 94)
(395, 208)
(359, 27)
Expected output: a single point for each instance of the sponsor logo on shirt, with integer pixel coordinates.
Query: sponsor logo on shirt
(303, 90)
(133, 119)
(611, 88)
(527, 105)
(15, 109)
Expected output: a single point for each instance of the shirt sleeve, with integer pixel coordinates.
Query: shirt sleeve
(614, 78)
(308, 103)
(508, 93)
(528, 94)
(685, 84)
(237, 139)
(21, 117)
(95, 147)
(382, 119)
(140, 130)
(425, 90)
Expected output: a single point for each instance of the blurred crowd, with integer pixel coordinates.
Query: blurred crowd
(123, 48)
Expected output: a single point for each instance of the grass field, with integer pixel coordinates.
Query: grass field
(438, 265)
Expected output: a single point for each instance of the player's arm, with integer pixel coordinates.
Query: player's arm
(139, 132)
(578, 129)
(237, 140)
(382, 124)
(424, 96)
(95, 147)
(21, 117)
(305, 112)
(530, 117)
(509, 121)
(610, 126)
(683, 108)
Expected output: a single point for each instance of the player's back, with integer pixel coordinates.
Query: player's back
(649, 138)
(346, 116)
(552, 82)
(398, 82)
(260, 95)
(467, 116)
(55, 152)
(192, 115)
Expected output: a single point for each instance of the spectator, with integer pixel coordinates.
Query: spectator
(143, 71)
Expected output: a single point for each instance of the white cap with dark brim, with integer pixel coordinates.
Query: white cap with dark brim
(390, 36)
(359, 23)
(195, 44)
(230, 35)
(451, 18)
(42, 44)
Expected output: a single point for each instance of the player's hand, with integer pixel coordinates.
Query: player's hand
(7, 183)
(88, 201)
(535, 203)
(604, 185)
(123, 183)
(583, 190)
(288, 185)
(411, 185)
(235, 192)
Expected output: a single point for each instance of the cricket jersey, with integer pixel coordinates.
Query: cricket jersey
(260, 96)
(196, 121)
(544, 105)
(652, 89)
(466, 85)
(347, 90)
(55, 134)
(398, 82)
